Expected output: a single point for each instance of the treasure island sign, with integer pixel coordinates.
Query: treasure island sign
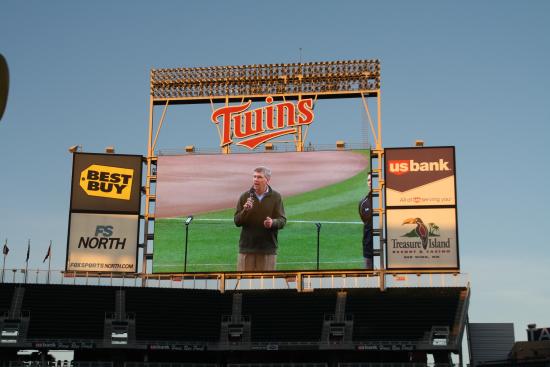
(256, 126)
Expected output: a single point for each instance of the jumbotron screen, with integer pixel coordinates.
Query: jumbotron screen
(317, 187)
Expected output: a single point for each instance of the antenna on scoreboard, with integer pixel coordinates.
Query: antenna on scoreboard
(300, 54)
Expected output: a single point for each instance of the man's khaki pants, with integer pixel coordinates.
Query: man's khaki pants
(256, 262)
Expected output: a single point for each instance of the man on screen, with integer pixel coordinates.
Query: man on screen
(260, 214)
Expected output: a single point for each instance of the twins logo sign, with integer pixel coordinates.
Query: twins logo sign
(254, 127)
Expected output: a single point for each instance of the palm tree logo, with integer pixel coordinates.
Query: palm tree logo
(421, 230)
(433, 229)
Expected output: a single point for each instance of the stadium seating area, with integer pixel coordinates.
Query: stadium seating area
(6, 292)
(64, 312)
(245, 326)
(276, 321)
(171, 314)
(78, 312)
(400, 313)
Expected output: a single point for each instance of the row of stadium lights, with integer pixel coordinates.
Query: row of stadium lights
(213, 89)
(335, 69)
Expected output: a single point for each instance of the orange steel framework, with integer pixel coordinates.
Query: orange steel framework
(227, 84)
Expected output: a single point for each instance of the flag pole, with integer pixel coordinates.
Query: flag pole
(27, 260)
(49, 262)
(4, 262)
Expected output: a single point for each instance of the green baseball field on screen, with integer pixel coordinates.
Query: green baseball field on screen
(213, 237)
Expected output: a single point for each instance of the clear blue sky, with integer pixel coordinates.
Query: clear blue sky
(473, 74)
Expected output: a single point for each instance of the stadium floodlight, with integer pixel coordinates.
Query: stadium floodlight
(75, 148)
(110, 149)
(419, 143)
(348, 77)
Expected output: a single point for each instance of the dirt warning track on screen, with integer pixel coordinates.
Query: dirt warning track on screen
(194, 184)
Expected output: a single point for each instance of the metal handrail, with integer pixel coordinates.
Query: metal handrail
(301, 280)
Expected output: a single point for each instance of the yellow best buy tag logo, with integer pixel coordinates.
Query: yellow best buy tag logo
(107, 182)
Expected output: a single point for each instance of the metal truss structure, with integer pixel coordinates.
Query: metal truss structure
(235, 84)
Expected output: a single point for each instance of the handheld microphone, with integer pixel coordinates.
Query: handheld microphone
(250, 201)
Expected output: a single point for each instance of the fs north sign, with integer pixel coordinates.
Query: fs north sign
(107, 183)
(420, 176)
(253, 127)
(102, 242)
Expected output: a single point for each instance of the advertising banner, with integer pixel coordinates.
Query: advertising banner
(102, 242)
(538, 334)
(109, 183)
(420, 176)
(422, 238)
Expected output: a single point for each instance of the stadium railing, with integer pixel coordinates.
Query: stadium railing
(301, 281)
(59, 364)
(293, 364)
(280, 146)
(368, 364)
